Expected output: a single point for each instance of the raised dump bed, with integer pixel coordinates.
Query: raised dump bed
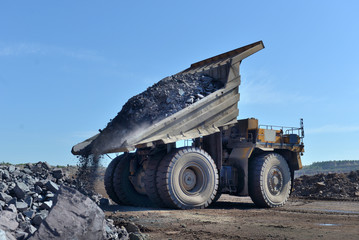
(202, 118)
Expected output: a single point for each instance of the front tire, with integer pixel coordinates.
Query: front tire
(187, 178)
(269, 180)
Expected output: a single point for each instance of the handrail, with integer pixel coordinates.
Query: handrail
(288, 130)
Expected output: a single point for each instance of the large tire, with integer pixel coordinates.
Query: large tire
(218, 194)
(269, 180)
(150, 179)
(187, 178)
(124, 189)
(108, 180)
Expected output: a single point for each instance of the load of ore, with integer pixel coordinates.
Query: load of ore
(332, 186)
(159, 101)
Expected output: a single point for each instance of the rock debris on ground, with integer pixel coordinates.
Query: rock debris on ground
(33, 195)
(30, 192)
(332, 186)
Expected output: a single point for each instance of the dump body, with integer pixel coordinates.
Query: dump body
(202, 118)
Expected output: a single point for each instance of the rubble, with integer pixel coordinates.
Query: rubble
(30, 193)
(332, 186)
(134, 231)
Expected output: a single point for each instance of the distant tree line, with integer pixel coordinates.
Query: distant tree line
(334, 166)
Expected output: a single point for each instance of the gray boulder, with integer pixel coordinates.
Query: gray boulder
(31, 229)
(73, 216)
(57, 173)
(21, 235)
(2, 235)
(12, 208)
(39, 217)
(21, 206)
(46, 205)
(21, 189)
(5, 174)
(29, 200)
(5, 197)
(46, 166)
(11, 168)
(53, 187)
(6, 235)
(49, 195)
(8, 223)
(29, 214)
(3, 187)
(38, 189)
(27, 171)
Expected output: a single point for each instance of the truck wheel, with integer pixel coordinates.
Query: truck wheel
(218, 194)
(269, 180)
(150, 179)
(124, 189)
(108, 180)
(187, 178)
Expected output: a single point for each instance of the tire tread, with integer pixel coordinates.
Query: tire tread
(256, 175)
(163, 175)
(151, 180)
(108, 179)
(123, 187)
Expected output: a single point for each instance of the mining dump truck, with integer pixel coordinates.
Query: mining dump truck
(218, 153)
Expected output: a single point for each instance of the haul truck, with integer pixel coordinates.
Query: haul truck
(226, 155)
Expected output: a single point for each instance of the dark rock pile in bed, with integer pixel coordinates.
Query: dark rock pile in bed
(159, 101)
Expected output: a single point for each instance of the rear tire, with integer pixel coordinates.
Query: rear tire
(150, 179)
(108, 179)
(269, 180)
(124, 189)
(187, 178)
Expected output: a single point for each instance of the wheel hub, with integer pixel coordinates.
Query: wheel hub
(189, 179)
(275, 180)
(138, 181)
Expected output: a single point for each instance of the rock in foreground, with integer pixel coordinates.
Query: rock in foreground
(74, 216)
(8, 225)
(28, 193)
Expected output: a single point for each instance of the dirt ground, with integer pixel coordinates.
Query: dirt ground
(238, 218)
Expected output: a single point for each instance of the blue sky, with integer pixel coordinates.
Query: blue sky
(67, 67)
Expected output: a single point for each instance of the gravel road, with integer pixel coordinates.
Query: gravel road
(238, 218)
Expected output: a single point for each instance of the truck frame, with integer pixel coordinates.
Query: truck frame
(224, 155)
